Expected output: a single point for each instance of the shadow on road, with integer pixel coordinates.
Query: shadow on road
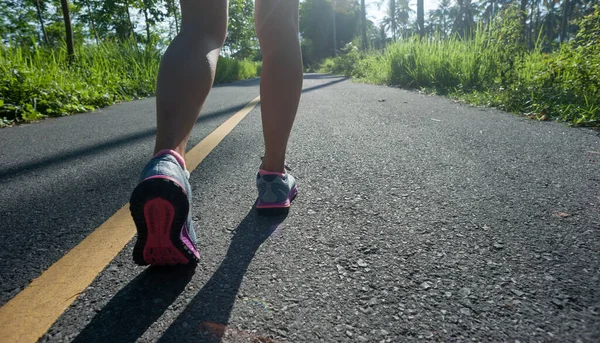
(139, 304)
(321, 76)
(255, 81)
(206, 317)
(327, 84)
(63, 158)
(103, 148)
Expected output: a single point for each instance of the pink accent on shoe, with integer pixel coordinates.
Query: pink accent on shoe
(185, 238)
(266, 172)
(168, 178)
(287, 203)
(284, 204)
(173, 153)
(159, 249)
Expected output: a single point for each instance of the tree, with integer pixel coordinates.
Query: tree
(563, 22)
(464, 22)
(399, 12)
(420, 18)
(145, 9)
(91, 20)
(534, 21)
(551, 20)
(490, 8)
(39, 10)
(390, 20)
(363, 27)
(129, 21)
(523, 10)
(334, 28)
(379, 38)
(68, 29)
(241, 39)
(152, 15)
(113, 18)
(443, 16)
(403, 13)
(17, 25)
(316, 29)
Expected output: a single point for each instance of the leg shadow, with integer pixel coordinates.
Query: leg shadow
(139, 304)
(206, 317)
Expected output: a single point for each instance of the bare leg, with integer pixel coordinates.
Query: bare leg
(276, 24)
(187, 71)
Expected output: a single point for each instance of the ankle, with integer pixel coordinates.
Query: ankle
(275, 165)
(273, 169)
(176, 154)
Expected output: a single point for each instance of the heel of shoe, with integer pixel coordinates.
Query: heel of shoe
(275, 209)
(159, 207)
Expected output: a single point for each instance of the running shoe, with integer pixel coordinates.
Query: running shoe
(275, 192)
(161, 209)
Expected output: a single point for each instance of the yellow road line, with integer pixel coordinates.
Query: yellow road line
(27, 316)
(200, 151)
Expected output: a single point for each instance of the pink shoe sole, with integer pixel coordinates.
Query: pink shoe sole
(159, 207)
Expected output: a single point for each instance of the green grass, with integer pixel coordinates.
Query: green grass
(493, 69)
(229, 70)
(40, 82)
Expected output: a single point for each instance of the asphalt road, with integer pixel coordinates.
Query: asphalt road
(418, 219)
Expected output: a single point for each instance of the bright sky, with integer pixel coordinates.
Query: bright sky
(375, 14)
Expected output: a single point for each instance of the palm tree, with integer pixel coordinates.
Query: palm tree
(430, 23)
(578, 9)
(382, 36)
(534, 20)
(490, 8)
(397, 16)
(420, 18)
(389, 21)
(334, 27)
(442, 15)
(363, 17)
(403, 12)
(563, 22)
(376, 35)
(523, 10)
(464, 21)
(551, 20)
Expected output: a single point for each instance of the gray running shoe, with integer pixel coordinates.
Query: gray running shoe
(161, 209)
(275, 192)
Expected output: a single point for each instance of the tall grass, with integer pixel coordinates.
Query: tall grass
(493, 68)
(40, 82)
(229, 70)
(443, 64)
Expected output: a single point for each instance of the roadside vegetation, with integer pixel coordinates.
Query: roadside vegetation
(536, 57)
(493, 67)
(110, 52)
(41, 82)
